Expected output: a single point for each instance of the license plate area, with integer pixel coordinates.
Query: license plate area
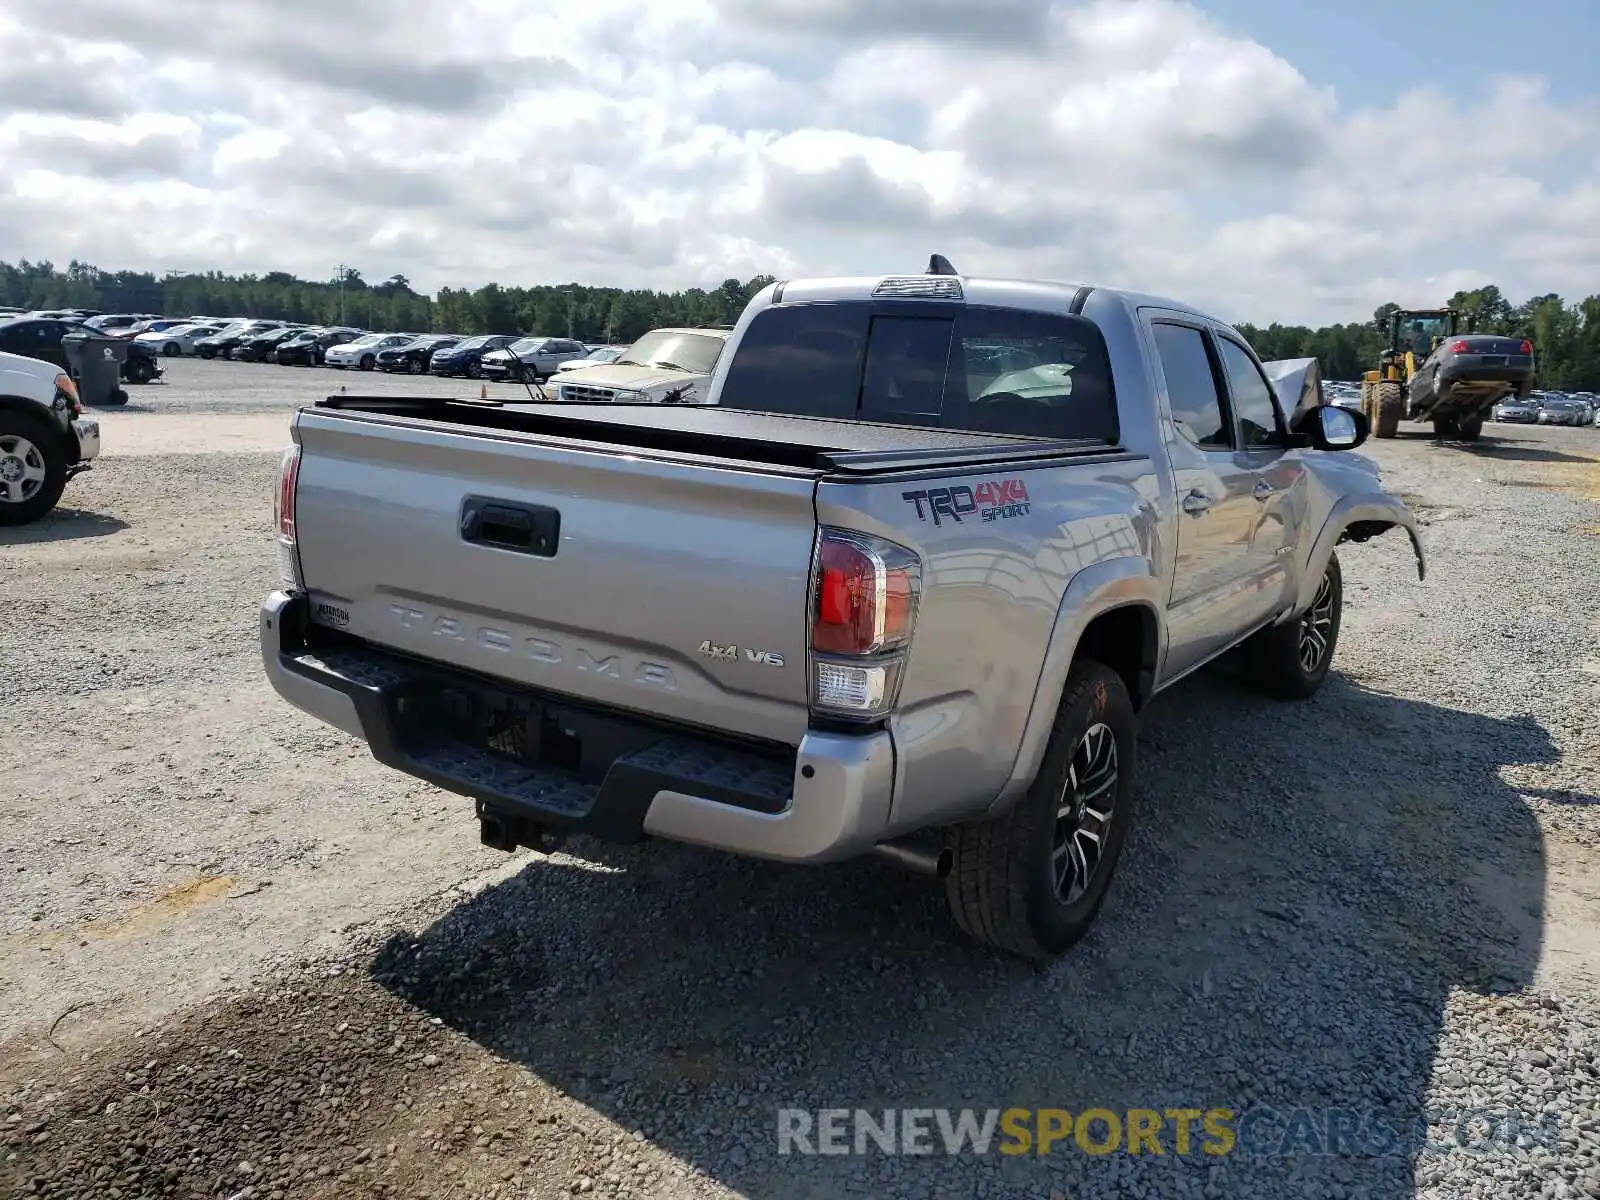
(524, 730)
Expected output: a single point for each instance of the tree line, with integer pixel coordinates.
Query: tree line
(1566, 336)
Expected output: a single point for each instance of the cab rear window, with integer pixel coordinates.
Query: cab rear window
(989, 370)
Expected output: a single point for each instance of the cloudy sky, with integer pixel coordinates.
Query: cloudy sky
(1243, 154)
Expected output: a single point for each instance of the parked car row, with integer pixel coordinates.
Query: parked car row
(491, 356)
(38, 335)
(1551, 408)
(663, 366)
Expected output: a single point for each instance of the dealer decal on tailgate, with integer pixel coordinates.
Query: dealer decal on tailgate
(999, 500)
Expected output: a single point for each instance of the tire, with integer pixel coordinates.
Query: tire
(208, 352)
(33, 467)
(1390, 405)
(1444, 429)
(141, 370)
(368, 362)
(414, 366)
(117, 399)
(1274, 658)
(1469, 431)
(172, 349)
(1003, 886)
(474, 370)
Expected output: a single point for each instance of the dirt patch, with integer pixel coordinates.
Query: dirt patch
(148, 918)
(1581, 479)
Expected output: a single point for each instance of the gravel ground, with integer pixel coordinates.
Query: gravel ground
(1365, 924)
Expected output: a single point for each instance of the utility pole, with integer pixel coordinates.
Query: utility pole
(342, 270)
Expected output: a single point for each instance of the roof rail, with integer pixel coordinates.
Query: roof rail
(940, 265)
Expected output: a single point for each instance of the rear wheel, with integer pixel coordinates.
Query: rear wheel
(414, 366)
(141, 370)
(1469, 430)
(1389, 406)
(33, 469)
(368, 362)
(172, 349)
(474, 370)
(1031, 882)
(1291, 660)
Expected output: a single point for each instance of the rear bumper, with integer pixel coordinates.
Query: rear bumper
(827, 800)
(1467, 369)
(87, 433)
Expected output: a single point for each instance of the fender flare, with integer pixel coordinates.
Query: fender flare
(1378, 512)
(1123, 582)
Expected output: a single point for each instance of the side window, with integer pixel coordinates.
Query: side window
(1191, 386)
(906, 361)
(1252, 397)
(804, 359)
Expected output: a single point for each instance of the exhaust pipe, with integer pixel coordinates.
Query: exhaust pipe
(918, 856)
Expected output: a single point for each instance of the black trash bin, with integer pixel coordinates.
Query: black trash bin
(97, 364)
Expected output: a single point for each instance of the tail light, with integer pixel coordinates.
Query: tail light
(1527, 346)
(283, 518)
(863, 609)
(66, 388)
(1460, 347)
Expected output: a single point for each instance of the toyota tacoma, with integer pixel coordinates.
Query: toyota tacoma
(900, 585)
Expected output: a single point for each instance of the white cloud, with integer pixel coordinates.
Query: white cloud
(676, 142)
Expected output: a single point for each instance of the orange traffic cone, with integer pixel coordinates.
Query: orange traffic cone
(483, 391)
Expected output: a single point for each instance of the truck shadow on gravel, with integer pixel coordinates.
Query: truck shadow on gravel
(63, 525)
(1307, 886)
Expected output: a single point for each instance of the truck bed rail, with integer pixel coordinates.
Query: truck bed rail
(823, 445)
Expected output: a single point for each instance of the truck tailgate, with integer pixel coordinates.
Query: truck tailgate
(650, 559)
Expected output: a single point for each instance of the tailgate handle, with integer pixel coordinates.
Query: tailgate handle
(524, 528)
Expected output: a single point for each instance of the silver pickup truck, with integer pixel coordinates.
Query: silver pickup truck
(899, 587)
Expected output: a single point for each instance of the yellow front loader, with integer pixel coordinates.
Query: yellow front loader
(1413, 334)
(1429, 372)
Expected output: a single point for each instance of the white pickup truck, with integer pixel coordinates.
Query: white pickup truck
(44, 437)
(665, 366)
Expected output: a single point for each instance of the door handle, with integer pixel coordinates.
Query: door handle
(1263, 490)
(524, 528)
(1196, 502)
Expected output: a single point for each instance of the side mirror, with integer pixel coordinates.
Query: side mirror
(1329, 427)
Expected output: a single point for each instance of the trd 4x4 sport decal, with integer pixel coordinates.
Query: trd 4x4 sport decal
(999, 500)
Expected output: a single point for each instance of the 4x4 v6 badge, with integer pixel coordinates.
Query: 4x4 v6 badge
(766, 658)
